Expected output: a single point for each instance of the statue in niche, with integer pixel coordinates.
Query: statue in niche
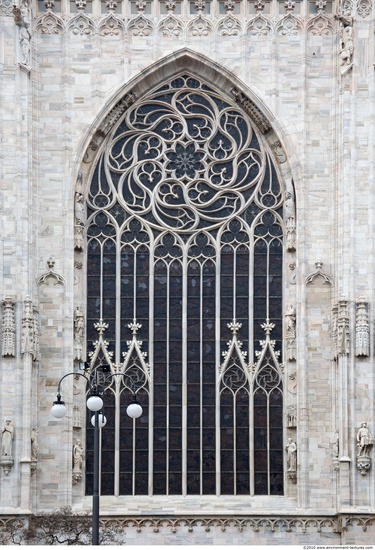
(79, 209)
(78, 237)
(291, 449)
(365, 441)
(346, 43)
(336, 445)
(77, 461)
(290, 220)
(290, 329)
(7, 434)
(291, 417)
(24, 37)
(34, 444)
(79, 326)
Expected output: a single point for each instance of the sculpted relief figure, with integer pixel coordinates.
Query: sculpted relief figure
(346, 44)
(79, 325)
(291, 449)
(364, 441)
(7, 434)
(34, 444)
(290, 329)
(24, 37)
(77, 461)
(290, 220)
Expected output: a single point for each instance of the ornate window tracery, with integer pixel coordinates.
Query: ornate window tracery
(185, 246)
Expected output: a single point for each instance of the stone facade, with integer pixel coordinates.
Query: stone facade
(304, 73)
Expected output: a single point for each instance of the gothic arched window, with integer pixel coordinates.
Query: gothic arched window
(184, 295)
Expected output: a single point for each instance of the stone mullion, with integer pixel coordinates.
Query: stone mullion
(217, 372)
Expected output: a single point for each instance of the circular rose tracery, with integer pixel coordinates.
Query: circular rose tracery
(184, 159)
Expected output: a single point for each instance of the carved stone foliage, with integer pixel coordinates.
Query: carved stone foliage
(115, 114)
(320, 26)
(289, 26)
(290, 332)
(141, 26)
(200, 26)
(81, 25)
(30, 329)
(111, 26)
(362, 329)
(364, 8)
(170, 26)
(252, 110)
(50, 23)
(229, 26)
(8, 329)
(365, 441)
(259, 26)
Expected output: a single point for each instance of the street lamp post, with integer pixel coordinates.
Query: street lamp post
(94, 404)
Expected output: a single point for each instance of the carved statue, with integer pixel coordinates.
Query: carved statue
(79, 326)
(79, 209)
(77, 457)
(34, 444)
(24, 37)
(347, 45)
(290, 328)
(7, 434)
(336, 445)
(78, 237)
(291, 449)
(290, 220)
(364, 441)
(290, 319)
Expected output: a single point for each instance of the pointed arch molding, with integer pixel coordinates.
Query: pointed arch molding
(170, 66)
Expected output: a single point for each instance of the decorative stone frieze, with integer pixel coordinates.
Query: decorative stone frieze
(364, 8)
(8, 329)
(362, 329)
(50, 23)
